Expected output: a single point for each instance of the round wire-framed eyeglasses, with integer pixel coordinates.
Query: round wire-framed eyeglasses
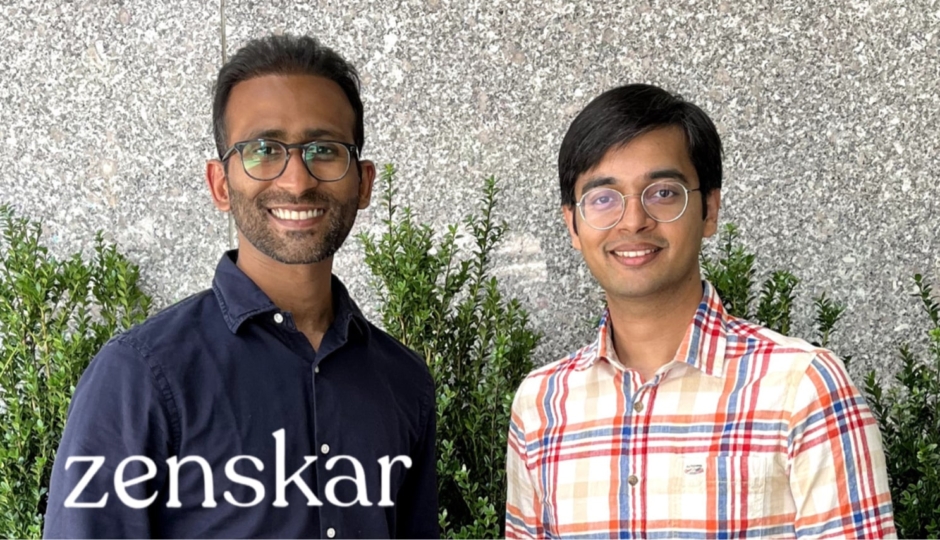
(603, 207)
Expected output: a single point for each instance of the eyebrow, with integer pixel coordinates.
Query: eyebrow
(597, 182)
(672, 174)
(308, 134)
(659, 174)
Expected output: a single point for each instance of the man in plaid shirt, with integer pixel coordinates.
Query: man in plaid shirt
(679, 420)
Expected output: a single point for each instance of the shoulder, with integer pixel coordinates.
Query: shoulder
(399, 353)
(811, 371)
(744, 330)
(791, 353)
(168, 326)
(397, 357)
(133, 354)
(143, 353)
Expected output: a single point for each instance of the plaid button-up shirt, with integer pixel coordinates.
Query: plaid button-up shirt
(746, 433)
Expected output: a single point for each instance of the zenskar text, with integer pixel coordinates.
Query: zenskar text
(174, 465)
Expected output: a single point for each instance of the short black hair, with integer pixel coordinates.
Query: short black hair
(284, 55)
(619, 115)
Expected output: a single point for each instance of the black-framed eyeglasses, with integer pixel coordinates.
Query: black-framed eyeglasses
(664, 202)
(266, 159)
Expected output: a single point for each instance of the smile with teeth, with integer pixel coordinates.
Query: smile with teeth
(293, 215)
(634, 254)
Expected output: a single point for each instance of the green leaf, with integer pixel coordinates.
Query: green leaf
(441, 299)
(48, 336)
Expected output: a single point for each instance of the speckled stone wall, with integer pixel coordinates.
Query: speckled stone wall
(829, 113)
(105, 121)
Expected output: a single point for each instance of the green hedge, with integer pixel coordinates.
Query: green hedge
(446, 305)
(54, 317)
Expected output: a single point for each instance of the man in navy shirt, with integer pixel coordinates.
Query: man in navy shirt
(266, 406)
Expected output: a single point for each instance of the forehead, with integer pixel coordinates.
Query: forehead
(292, 104)
(637, 163)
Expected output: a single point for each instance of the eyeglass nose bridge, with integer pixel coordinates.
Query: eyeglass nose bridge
(287, 157)
(624, 203)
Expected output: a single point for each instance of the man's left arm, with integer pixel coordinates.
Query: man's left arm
(838, 476)
(417, 512)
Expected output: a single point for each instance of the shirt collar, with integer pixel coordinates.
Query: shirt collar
(241, 299)
(703, 346)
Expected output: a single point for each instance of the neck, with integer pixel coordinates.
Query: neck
(648, 331)
(304, 290)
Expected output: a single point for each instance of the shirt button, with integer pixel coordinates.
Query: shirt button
(638, 406)
(278, 318)
(325, 449)
(316, 369)
(331, 532)
(632, 480)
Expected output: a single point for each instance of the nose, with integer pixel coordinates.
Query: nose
(635, 219)
(296, 178)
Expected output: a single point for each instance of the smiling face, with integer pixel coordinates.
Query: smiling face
(295, 218)
(640, 257)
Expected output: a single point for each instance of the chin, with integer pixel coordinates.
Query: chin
(633, 293)
(630, 289)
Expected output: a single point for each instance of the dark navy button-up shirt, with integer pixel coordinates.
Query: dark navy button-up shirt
(248, 430)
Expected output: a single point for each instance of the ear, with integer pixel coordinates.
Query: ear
(571, 215)
(218, 186)
(712, 203)
(366, 181)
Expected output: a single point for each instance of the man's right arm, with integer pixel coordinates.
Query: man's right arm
(118, 411)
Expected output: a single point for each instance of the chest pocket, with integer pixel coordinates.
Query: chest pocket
(728, 493)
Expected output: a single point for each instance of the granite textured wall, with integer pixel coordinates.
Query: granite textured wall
(829, 113)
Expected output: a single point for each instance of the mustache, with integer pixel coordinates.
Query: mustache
(659, 243)
(308, 197)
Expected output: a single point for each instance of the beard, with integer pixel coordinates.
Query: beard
(293, 247)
